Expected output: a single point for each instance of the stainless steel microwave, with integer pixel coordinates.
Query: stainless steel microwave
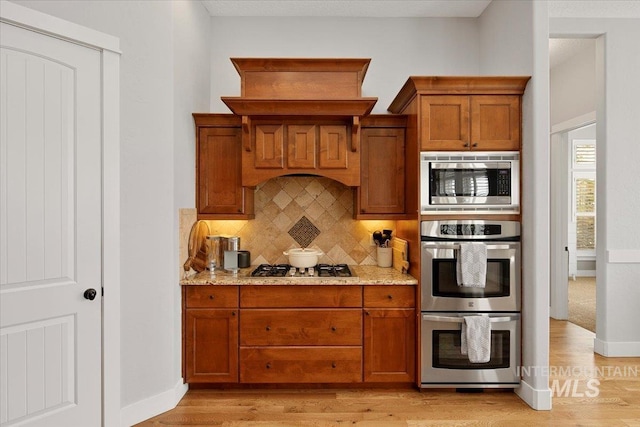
(468, 182)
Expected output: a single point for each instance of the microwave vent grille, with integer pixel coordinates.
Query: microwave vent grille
(467, 156)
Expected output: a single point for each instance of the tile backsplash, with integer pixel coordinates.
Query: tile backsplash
(299, 211)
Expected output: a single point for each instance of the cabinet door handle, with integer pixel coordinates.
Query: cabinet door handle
(268, 328)
(233, 313)
(466, 144)
(268, 366)
(333, 328)
(475, 144)
(366, 312)
(334, 365)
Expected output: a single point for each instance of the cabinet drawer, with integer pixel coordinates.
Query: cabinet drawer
(301, 365)
(211, 296)
(301, 327)
(302, 296)
(389, 296)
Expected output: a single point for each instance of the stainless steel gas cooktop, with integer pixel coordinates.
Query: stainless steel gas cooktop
(286, 270)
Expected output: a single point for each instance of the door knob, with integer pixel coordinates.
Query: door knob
(90, 294)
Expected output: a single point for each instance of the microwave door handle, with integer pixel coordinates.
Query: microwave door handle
(449, 319)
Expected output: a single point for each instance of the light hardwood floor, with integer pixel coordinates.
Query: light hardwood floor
(617, 402)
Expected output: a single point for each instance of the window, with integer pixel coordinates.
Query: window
(584, 194)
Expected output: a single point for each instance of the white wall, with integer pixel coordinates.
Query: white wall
(514, 40)
(164, 78)
(192, 74)
(398, 48)
(573, 86)
(618, 151)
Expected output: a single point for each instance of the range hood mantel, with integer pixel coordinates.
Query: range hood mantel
(299, 107)
(300, 87)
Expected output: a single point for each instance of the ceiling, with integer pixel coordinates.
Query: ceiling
(561, 50)
(348, 8)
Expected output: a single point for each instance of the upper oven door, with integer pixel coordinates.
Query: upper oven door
(440, 290)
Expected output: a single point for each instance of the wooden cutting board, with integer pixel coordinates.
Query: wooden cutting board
(400, 254)
(197, 247)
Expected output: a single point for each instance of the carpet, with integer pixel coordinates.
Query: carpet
(582, 302)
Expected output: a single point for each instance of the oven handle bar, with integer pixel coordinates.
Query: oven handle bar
(490, 246)
(449, 319)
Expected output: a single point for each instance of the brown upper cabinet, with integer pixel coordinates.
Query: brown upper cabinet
(219, 191)
(288, 146)
(381, 193)
(464, 113)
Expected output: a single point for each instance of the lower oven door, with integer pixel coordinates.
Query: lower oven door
(440, 290)
(444, 365)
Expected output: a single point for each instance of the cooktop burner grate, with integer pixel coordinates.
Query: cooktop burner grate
(286, 270)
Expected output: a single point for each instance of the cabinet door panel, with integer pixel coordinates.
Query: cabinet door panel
(211, 296)
(495, 122)
(445, 122)
(300, 296)
(211, 346)
(382, 171)
(389, 345)
(301, 327)
(333, 147)
(269, 146)
(300, 364)
(220, 188)
(389, 296)
(301, 146)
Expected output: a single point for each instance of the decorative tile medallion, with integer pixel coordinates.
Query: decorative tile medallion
(304, 232)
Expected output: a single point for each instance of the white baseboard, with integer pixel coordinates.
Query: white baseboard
(152, 406)
(539, 400)
(616, 349)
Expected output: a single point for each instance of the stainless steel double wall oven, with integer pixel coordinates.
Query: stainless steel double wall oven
(445, 304)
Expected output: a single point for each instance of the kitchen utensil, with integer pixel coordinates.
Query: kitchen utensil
(197, 247)
(377, 237)
(303, 257)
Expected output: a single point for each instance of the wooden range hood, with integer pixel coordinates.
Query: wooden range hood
(300, 87)
(280, 97)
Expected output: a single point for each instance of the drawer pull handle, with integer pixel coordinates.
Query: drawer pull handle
(333, 328)
(390, 296)
(211, 297)
(268, 328)
(268, 366)
(333, 365)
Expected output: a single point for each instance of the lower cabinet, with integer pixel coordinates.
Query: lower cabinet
(301, 364)
(210, 334)
(299, 334)
(389, 334)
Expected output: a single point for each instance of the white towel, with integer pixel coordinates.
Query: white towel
(475, 338)
(471, 267)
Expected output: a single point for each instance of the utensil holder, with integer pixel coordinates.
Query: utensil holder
(384, 257)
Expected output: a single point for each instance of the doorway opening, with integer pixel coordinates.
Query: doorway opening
(573, 102)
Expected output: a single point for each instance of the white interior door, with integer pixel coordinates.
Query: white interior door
(50, 230)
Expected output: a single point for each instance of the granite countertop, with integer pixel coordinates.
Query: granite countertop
(363, 275)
